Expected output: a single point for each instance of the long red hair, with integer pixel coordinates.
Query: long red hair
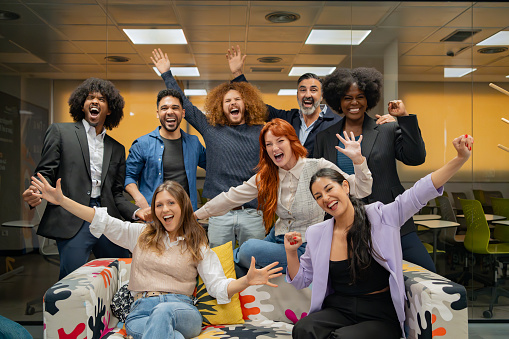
(267, 178)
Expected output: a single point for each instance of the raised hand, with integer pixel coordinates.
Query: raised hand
(160, 60)
(30, 198)
(261, 276)
(397, 108)
(235, 60)
(293, 240)
(463, 145)
(52, 194)
(383, 119)
(352, 148)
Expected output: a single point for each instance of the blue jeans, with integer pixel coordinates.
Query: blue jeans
(164, 316)
(74, 252)
(241, 225)
(265, 251)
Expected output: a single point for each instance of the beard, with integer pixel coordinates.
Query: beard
(177, 123)
(308, 110)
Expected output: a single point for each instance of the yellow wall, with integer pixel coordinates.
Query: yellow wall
(444, 111)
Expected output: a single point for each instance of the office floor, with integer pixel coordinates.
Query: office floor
(39, 274)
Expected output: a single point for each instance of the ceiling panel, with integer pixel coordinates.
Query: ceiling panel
(212, 15)
(70, 59)
(483, 17)
(340, 15)
(81, 68)
(408, 34)
(476, 38)
(273, 48)
(493, 70)
(91, 32)
(215, 47)
(32, 68)
(214, 33)
(143, 13)
(110, 47)
(501, 62)
(252, 60)
(319, 59)
(134, 59)
(424, 16)
(8, 47)
(116, 68)
(71, 14)
(146, 50)
(27, 17)
(22, 58)
(292, 34)
(211, 60)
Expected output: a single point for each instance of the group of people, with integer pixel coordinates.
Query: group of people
(271, 175)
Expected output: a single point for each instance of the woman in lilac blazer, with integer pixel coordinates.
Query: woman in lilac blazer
(354, 296)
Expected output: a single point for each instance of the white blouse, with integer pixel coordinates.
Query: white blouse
(125, 234)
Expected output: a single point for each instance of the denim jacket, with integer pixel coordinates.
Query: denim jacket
(144, 165)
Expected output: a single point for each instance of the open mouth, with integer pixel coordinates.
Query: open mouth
(354, 110)
(171, 120)
(168, 218)
(235, 111)
(308, 102)
(94, 111)
(279, 156)
(332, 205)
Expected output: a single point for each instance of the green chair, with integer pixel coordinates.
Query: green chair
(477, 241)
(201, 200)
(455, 197)
(501, 207)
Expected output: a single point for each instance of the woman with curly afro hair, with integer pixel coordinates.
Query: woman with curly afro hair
(353, 92)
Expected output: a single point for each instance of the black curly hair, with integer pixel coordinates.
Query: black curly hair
(336, 84)
(107, 89)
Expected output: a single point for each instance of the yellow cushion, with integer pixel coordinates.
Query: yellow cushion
(212, 313)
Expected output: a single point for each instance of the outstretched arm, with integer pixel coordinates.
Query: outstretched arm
(463, 145)
(235, 60)
(255, 276)
(55, 196)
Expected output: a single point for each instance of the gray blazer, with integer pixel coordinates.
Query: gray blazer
(65, 155)
(381, 145)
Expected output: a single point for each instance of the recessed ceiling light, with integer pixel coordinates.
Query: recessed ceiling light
(287, 92)
(320, 71)
(282, 17)
(457, 72)
(7, 15)
(191, 92)
(182, 71)
(156, 36)
(500, 38)
(269, 60)
(492, 50)
(116, 58)
(336, 37)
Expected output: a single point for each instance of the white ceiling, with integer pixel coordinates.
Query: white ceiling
(68, 39)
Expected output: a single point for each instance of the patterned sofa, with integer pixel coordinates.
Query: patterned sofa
(78, 306)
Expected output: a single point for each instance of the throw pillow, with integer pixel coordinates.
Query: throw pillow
(212, 313)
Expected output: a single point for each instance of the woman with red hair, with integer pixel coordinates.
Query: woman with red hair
(281, 186)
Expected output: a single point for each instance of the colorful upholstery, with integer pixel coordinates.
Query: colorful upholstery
(78, 306)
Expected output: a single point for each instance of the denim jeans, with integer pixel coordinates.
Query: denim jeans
(265, 251)
(241, 225)
(164, 316)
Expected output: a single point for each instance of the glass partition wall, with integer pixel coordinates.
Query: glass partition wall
(438, 57)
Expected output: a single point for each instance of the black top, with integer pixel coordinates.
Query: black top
(173, 162)
(372, 279)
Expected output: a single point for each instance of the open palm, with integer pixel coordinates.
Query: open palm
(352, 147)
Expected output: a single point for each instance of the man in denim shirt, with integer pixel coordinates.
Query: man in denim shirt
(167, 153)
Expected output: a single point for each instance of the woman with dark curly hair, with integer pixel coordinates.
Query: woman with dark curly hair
(235, 116)
(110, 94)
(281, 186)
(354, 92)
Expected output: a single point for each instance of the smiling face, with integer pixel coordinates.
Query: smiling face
(234, 108)
(280, 151)
(170, 113)
(96, 110)
(332, 197)
(354, 103)
(309, 95)
(168, 211)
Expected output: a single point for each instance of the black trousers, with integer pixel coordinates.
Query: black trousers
(361, 317)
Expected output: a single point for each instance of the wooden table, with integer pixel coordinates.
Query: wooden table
(422, 217)
(436, 226)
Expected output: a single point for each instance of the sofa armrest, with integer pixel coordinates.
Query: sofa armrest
(80, 302)
(436, 306)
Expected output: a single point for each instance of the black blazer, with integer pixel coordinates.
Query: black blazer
(381, 145)
(65, 155)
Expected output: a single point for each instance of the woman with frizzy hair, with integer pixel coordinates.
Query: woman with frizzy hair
(354, 259)
(281, 188)
(168, 255)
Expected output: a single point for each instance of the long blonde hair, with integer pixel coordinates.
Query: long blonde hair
(152, 237)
